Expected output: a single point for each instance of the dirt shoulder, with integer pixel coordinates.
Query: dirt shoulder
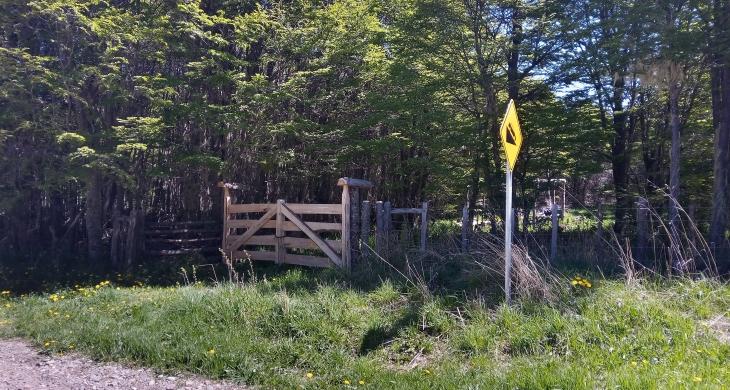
(23, 367)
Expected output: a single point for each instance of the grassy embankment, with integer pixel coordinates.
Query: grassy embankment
(302, 330)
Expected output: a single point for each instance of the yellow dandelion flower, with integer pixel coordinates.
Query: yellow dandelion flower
(347, 382)
(362, 382)
(573, 282)
(310, 375)
(46, 344)
(211, 351)
(7, 305)
(589, 285)
(697, 379)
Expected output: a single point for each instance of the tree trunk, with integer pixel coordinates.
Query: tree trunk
(513, 57)
(720, 81)
(620, 158)
(674, 160)
(94, 217)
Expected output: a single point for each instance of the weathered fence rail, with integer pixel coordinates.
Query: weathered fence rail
(182, 237)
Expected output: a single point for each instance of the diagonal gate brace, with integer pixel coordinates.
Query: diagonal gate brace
(311, 234)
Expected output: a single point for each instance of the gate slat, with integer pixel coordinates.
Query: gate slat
(288, 225)
(289, 258)
(253, 229)
(304, 208)
(297, 208)
(249, 208)
(289, 242)
(304, 228)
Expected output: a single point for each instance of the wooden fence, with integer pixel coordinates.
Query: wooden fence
(285, 232)
(182, 237)
(384, 213)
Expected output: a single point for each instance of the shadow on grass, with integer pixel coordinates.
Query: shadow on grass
(380, 335)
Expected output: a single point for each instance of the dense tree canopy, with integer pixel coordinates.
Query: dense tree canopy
(138, 108)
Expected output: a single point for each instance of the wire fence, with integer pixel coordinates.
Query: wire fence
(579, 235)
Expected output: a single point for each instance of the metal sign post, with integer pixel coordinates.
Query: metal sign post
(511, 135)
(508, 236)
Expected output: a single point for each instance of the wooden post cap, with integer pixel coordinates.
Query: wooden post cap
(354, 183)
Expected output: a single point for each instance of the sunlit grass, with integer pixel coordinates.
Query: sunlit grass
(298, 330)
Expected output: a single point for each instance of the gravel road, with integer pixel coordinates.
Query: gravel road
(23, 367)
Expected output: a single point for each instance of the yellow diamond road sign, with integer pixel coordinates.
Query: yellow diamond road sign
(511, 135)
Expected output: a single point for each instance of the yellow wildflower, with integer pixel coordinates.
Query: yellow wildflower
(697, 379)
(211, 351)
(347, 382)
(310, 375)
(362, 382)
(634, 364)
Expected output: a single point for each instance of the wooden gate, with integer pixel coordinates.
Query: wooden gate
(285, 232)
(251, 237)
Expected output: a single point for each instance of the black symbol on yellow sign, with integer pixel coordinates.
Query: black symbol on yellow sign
(511, 135)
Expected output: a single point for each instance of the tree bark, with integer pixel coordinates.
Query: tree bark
(674, 160)
(620, 158)
(720, 81)
(94, 217)
(513, 57)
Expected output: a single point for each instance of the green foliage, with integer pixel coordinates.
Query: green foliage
(285, 97)
(273, 333)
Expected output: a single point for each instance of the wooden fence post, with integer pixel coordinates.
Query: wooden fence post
(642, 235)
(135, 234)
(280, 249)
(525, 224)
(346, 254)
(226, 217)
(554, 236)
(387, 224)
(350, 220)
(424, 226)
(355, 225)
(379, 228)
(465, 228)
(598, 243)
(365, 229)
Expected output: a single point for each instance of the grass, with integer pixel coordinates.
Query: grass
(275, 332)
